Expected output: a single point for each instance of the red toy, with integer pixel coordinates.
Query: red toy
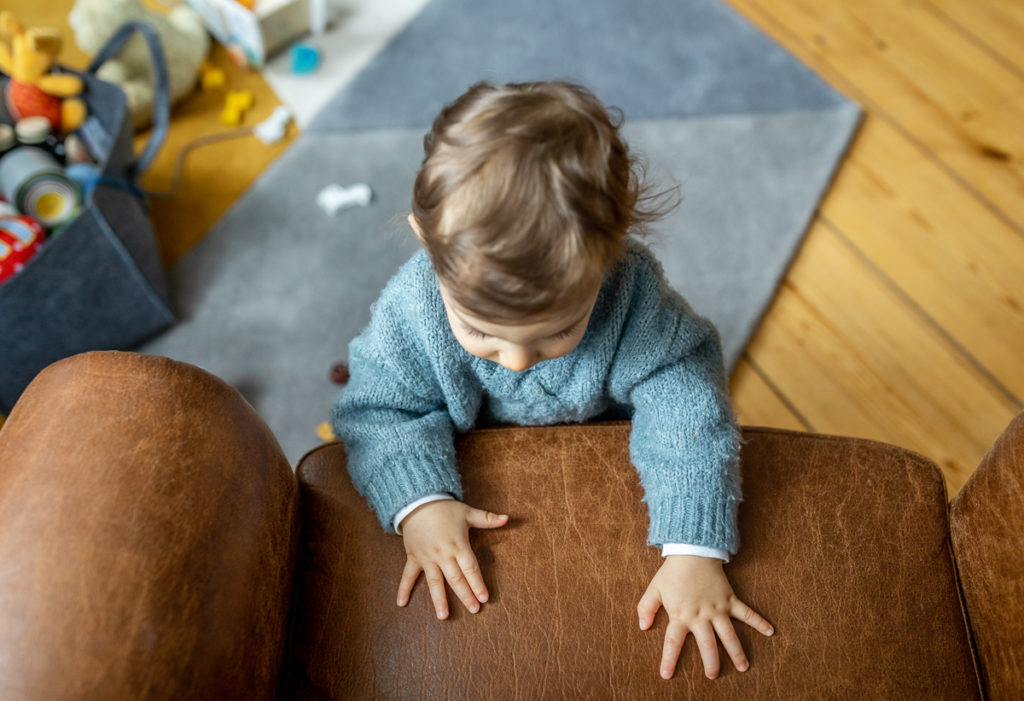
(20, 239)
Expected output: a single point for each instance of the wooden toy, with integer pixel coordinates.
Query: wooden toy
(33, 91)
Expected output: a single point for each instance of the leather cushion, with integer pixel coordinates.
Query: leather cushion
(844, 550)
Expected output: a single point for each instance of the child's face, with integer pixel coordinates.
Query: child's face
(518, 347)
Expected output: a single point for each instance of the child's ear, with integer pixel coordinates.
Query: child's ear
(416, 228)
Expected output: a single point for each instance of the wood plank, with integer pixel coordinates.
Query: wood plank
(903, 61)
(958, 261)
(757, 404)
(996, 24)
(856, 359)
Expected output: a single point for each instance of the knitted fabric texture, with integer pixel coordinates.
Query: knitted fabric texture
(412, 385)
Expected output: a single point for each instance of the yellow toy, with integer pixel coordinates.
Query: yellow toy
(235, 105)
(325, 433)
(211, 78)
(32, 90)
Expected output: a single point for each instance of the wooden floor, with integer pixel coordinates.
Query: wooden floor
(902, 318)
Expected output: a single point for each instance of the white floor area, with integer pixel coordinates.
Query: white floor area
(356, 31)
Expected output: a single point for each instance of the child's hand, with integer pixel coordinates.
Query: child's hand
(698, 599)
(436, 539)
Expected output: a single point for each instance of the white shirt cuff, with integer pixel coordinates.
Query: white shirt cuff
(699, 550)
(437, 496)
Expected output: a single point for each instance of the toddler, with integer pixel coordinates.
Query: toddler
(531, 305)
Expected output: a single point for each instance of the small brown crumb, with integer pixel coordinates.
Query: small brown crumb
(340, 373)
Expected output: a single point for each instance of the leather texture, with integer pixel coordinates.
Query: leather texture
(987, 530)
(845, 550)
(148, 539)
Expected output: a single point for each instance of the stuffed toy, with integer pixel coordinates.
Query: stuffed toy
(32, 90)
(185, 43)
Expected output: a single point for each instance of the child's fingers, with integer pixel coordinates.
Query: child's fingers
(731, 643)
(704, 634)
(675, 634)
(458, 583)
(648, 607)
(409, 575)
(471, 569)
(435, 582)
(478, 518)
(741, 612)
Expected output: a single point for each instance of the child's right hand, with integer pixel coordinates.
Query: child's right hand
(436, 539)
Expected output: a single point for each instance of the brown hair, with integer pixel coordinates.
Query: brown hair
(525, 196)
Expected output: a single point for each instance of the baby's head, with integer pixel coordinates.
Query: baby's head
(523, 202)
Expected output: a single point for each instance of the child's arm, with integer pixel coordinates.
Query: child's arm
(397, 434)
(399, 444)
(698, 599)
(685, 441)
(685, 445)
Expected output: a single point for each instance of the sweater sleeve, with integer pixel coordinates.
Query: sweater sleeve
(392, 418)
(685, 441)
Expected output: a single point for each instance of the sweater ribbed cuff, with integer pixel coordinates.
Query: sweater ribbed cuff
(712, 523)
(407, 479)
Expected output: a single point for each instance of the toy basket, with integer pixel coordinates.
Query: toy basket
(97, 283)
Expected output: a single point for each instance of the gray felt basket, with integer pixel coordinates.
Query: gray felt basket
(97, 284)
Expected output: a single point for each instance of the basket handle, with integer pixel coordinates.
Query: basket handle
(162, 97)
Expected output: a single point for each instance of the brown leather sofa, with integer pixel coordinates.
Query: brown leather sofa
(155, 543)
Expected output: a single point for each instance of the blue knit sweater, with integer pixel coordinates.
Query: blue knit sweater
(412, 384)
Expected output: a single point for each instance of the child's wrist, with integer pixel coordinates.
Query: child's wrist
(414, 506)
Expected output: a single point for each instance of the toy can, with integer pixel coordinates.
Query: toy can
(35, 183)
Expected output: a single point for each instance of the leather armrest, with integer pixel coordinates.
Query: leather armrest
(987, 530)
(844, 549)
(148, 533)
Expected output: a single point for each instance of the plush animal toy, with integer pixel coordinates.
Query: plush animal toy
(32, 90)
(184, 38)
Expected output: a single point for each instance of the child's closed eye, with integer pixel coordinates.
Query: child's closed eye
(474, 333)
(568, 332)
(562, 335)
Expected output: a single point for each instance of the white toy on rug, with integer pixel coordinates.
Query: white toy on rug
(336, 197)
(182, 34)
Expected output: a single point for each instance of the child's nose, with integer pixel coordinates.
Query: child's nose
(517, 358)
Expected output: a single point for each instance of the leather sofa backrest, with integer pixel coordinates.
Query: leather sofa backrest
(845, 550)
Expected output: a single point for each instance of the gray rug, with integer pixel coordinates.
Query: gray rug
(271, 297)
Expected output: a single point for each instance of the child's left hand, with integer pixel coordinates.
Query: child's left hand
(698, 599)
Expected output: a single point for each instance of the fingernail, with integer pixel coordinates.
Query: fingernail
(743, 667)
(482, 598)
(474, 609)
(771, 631)
(666, 674)
(441, 614)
